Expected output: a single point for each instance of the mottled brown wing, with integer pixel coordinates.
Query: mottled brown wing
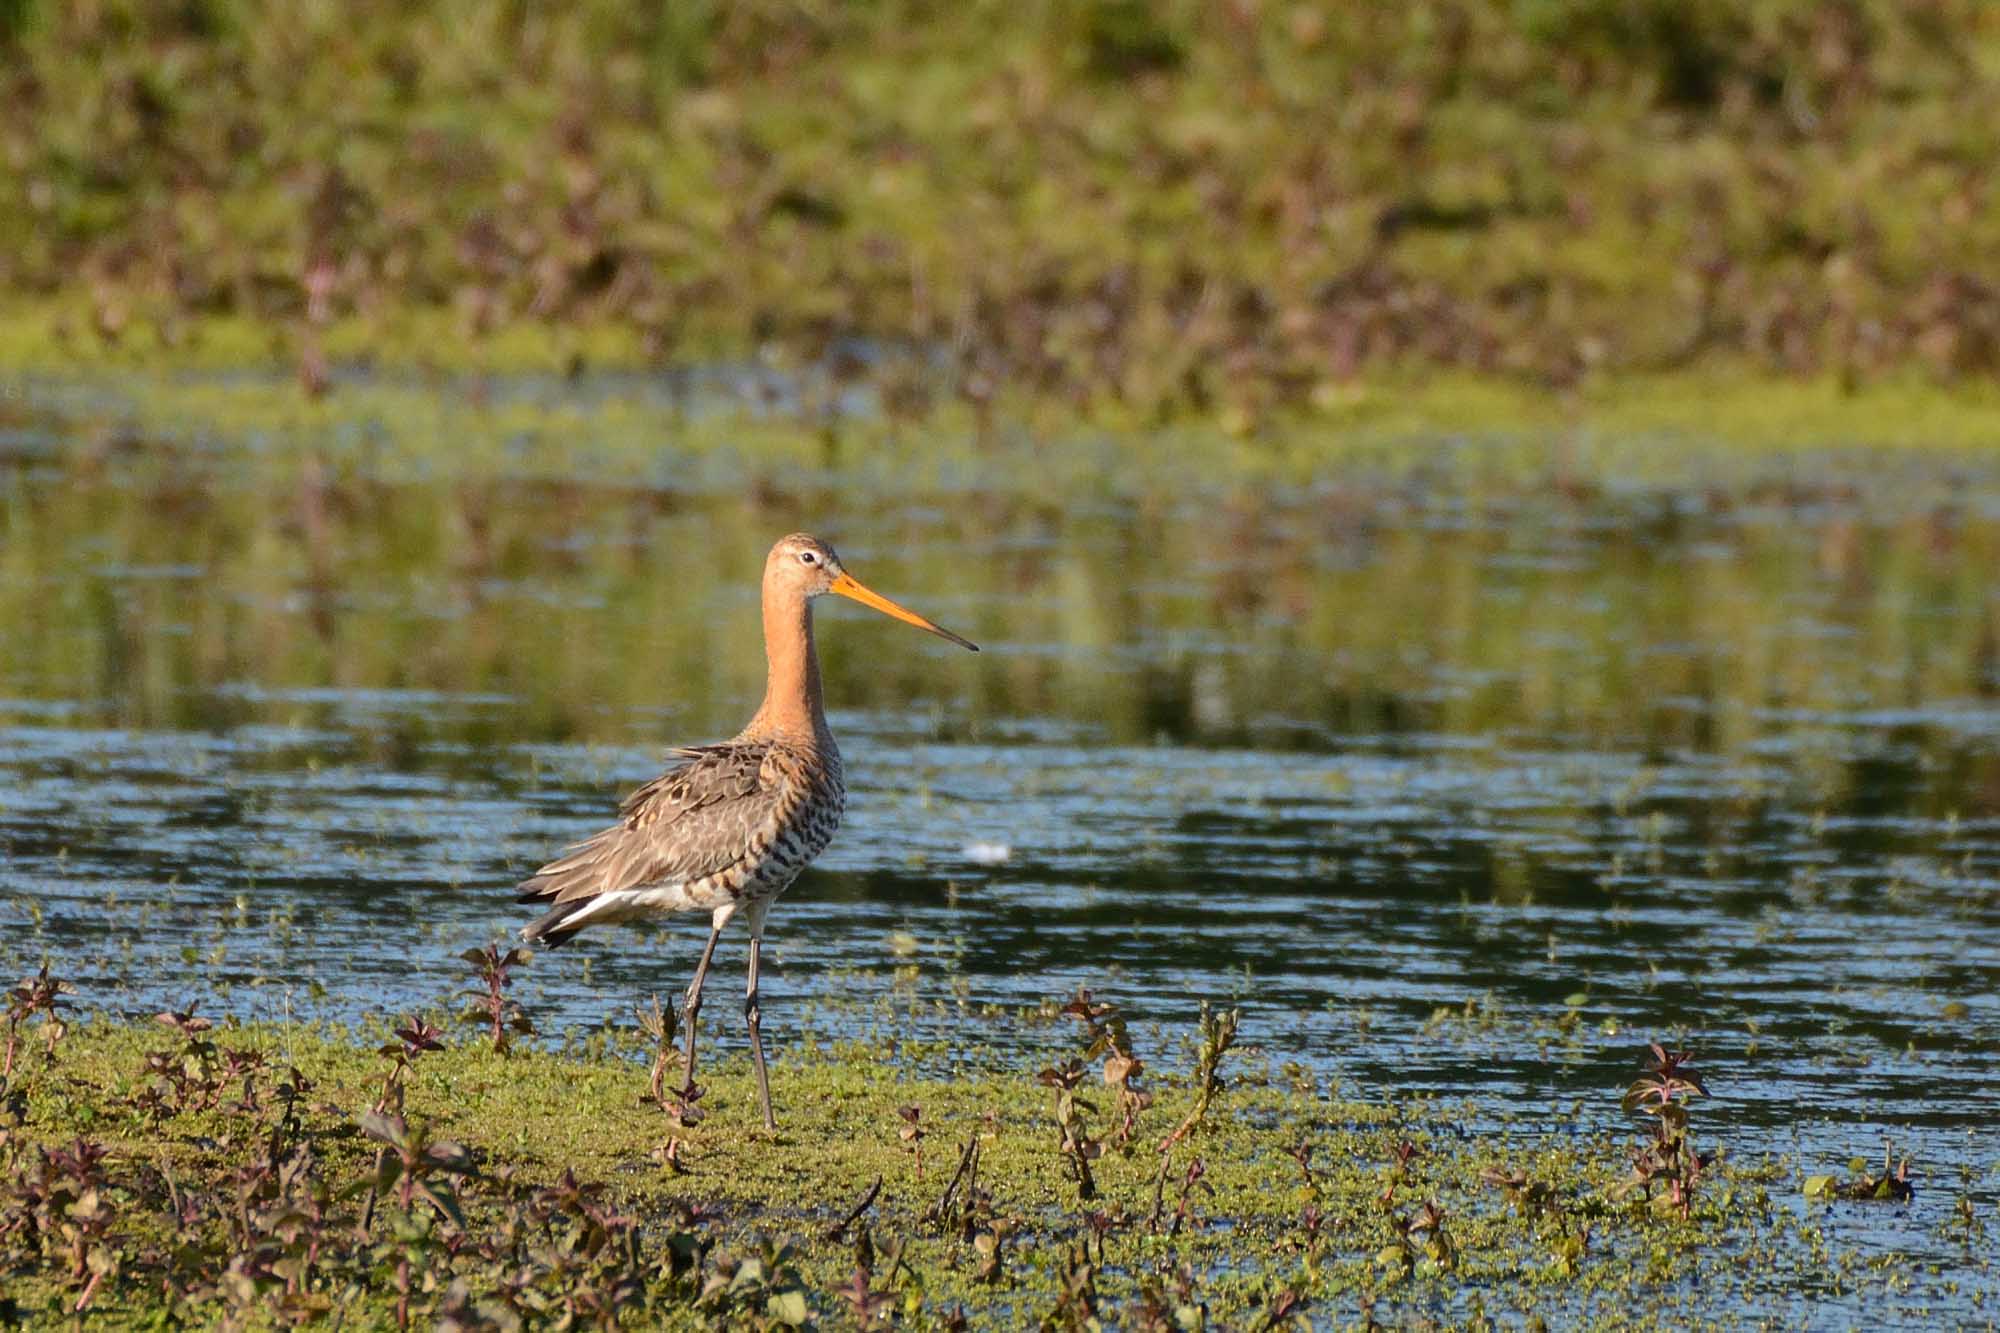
(692, 821)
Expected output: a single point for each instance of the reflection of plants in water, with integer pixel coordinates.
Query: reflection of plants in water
(1387, 641)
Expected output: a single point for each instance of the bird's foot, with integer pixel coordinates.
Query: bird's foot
(668, 1155)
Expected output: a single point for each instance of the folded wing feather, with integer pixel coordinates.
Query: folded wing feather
(695, 820)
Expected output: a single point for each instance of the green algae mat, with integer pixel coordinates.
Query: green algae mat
(175, 1172)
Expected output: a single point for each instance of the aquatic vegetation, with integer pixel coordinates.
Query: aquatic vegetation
(1079, 1149)
(661, 1027)
(192, 1074)
(414, 1039)
(502, 1016)
(1965, 1224)
(1668, 1159)
(411, 1164)
(762, 1287)
(912, 1133)
(1218, 1034)
(1890, 1185)
(1108, 1039)
(1190, 1184)
(517, 1185)
(1527, 1196)
(867, 1305)
(61, 1205)
(39, 995)
(1400, 1256)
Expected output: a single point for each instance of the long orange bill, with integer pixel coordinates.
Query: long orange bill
(848, 586)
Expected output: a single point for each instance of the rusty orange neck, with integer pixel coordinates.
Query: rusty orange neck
(792, 704)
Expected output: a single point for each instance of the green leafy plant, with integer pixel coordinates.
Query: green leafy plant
(660, 1025)
(1108, 1038)
(491, 1007)
(761, 1289)
(1191, 1181)
(1078, 1147)
(1526, 1196)
(416, 1165)
(413, 1040)
(40, 994)
(186, 1077)
(1076, 1301)
(869, 1305)
(1890, 1185)
(1218, 1034)
(912, 1133)
(1666, 1167)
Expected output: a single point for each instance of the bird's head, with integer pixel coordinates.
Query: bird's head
(804, 566)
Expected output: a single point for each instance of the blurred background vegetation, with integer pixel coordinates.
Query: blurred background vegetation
(1148, 210)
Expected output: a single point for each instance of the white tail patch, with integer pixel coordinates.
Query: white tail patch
(633, 904)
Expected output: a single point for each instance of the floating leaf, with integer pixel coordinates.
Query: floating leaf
(787, 1308)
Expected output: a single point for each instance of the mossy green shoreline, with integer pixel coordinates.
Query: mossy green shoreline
(545, 405)
(216, 1188)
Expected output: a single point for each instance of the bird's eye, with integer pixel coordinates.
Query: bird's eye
(808, 558)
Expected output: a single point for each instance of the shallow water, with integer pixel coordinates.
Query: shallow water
(1463, 795)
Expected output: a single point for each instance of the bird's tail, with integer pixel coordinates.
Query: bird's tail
(556, 927)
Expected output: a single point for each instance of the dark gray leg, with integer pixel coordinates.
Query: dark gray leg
(691, 1008)
(753, 1016)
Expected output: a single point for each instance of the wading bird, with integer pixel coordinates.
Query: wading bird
(728, 827)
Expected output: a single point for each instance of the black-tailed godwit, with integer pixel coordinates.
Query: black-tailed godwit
(728, 827)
